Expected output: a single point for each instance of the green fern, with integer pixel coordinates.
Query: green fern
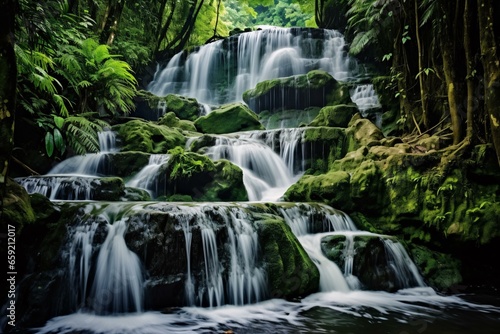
(82, 133)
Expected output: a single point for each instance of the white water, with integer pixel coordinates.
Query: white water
(72, 178)
(118, 281)
(147, 178)
(265, 174)
(260, 55)
(365, 97)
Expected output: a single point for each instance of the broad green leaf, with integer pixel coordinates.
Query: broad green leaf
(49, 143)
(59, 121)
(59, 141)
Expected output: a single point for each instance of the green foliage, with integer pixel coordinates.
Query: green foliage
(63, 74)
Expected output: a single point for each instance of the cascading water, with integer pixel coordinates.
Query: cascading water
(74, 178)
(260, 55)
(366, 99)
(147, 178)
(265, 175)
(211, 253)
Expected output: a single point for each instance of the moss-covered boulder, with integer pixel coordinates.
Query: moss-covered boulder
(291, 273)
(124, 164)
(148, 137)
(183, 107)
(442, 271)
(288, 118)
(197, 176)
(16, 206)
(337, 116)
(332, 188)
(171, 120)
(314, 89)
(229, 118)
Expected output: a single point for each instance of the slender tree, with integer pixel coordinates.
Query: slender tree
(8, 78)
(491, 67)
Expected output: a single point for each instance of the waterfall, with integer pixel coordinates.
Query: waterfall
(259, 55)
(265, 175)
(118, 282)
(112, 282)
(241, 280)
(365, 97)
(80, 257)
(147, 177)
(74, 178)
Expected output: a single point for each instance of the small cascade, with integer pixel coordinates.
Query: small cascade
(407, 274)
(249, 58)
(76, 177)
(265, 175)
(247, 281)
(288, 143)
(239, 280)
(80, 259)
(118, 281)
(147, 178)
(312, 230)
(365, 97)
(106, 279)
(90, 164)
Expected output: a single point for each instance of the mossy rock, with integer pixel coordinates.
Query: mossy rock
(127, 163)
(441, 271)
(171, 120)
(229, 118)
(195, 175)
(332, 188)
(292, 118)
(148, 137)
(185, 108)
(227, 184)
(314, 89)
(291, 273)
(136, 194)
(16, 209)
(336, 116)
(362, 132)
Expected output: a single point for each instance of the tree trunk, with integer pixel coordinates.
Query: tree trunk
(8, 80)
(469, 59)
(110, 22)
(163, 32)
(449, 65)
(491, 65)
(423, 89)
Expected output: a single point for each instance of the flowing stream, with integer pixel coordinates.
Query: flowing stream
(223, 281)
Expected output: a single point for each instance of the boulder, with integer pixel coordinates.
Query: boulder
(171, 120)
(148, 137)
(337, 116)
(229, 118)
(314, 89)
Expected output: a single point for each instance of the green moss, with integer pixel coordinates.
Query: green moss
(128, 163)
(441, 271)
(183, 107)
(229, 118)
(336, 116)
(332, 188)
(16, 209)
(172, 121)
(288, 118)
(314, 89)
(227, 184)
(148, 137)
(291, 273)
